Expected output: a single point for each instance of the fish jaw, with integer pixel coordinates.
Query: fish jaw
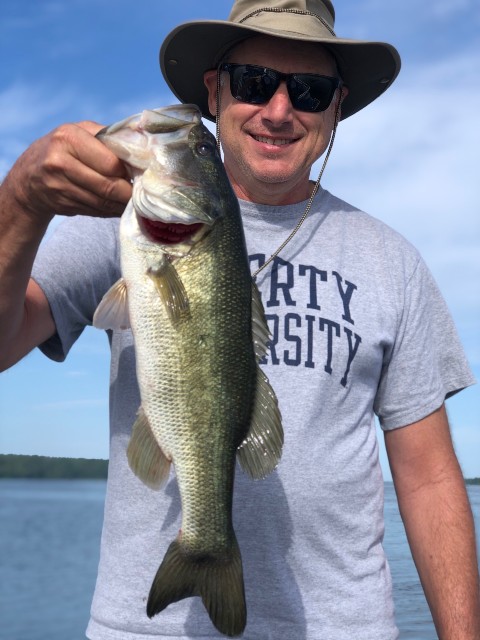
(172, 206)
(167, 152)
(156, 235)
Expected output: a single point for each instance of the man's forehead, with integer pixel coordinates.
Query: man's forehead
(256, 49)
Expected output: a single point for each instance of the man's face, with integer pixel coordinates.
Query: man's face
(269, 148)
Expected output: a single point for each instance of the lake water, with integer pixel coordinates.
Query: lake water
(49, 543)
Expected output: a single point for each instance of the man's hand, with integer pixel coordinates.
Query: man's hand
(68, 172)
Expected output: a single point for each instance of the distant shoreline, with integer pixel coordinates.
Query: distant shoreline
(37, 467)
(43, 467)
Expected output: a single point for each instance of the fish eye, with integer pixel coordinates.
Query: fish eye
(205, 148)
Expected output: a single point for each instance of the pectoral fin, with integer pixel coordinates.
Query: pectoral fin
(145, 457)
(261, 450)
(171, 290)
(112, 312)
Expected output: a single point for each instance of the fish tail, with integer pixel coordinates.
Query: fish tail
(218, 579)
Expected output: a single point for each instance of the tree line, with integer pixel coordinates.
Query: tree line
(19, 466)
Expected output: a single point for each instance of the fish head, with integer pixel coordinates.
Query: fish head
(180, 183)
(136, 141)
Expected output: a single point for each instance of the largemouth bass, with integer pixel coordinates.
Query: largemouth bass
(199, 332)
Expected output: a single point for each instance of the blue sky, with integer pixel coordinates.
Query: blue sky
(411, 159)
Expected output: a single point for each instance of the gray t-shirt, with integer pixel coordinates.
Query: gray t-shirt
(358, 328)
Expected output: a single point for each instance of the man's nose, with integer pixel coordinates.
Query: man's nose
(279, 108)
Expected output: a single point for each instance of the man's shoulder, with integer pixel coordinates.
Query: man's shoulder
(363, 226)
(79, 223)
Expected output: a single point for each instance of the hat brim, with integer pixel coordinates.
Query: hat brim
(366, 68)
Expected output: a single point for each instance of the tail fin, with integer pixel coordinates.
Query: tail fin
(217, 579)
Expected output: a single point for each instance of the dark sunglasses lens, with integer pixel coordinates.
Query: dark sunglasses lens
(251, 84)
(311, 92)
(257, 85)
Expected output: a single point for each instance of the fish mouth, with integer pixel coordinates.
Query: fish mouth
(168, 232)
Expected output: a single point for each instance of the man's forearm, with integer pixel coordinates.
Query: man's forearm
(20, 238)
(440, 529)
(439, 524)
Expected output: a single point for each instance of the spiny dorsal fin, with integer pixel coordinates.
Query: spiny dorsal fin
(145, 457)
(171, 290)
(260, 330)
(261, 450)
(112, 312)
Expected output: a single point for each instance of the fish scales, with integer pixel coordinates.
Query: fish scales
(199, 332)
(203, 370)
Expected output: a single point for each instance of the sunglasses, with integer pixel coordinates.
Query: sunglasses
(257, 85)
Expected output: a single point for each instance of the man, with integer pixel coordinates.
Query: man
(357, 324)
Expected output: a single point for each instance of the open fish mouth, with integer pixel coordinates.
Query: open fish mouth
(168, 232)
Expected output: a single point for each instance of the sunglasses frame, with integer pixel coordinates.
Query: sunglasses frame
(278, 77)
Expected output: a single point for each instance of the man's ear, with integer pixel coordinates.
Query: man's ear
(210, 81)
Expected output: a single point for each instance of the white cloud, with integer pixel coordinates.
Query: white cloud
(445, 9)
(411, 13)
(411, 159)
(28, 112)
(31, 110)
(25, 106)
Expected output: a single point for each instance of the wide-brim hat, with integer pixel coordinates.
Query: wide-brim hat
(366, 68)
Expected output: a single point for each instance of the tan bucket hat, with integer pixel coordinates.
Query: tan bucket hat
(366, 68)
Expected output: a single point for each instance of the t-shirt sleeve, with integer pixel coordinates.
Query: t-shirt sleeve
(426, 363)
(74, 267)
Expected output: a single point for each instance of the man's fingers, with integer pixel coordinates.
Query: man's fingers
(69, 171)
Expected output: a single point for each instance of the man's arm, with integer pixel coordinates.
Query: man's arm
(438, 521)
(68, 171)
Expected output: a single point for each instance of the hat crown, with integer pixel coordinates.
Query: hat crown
(366, 68)
(244, 11)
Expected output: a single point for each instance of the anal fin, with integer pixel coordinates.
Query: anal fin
(145, 456)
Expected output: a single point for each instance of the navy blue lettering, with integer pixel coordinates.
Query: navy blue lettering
(314, 272)
(295, 361)
(323, 322)
(284, 286)
(273, 324)
(294, 336)
(309, 363)
(346, 295)
(352, 352)
(259, 258)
